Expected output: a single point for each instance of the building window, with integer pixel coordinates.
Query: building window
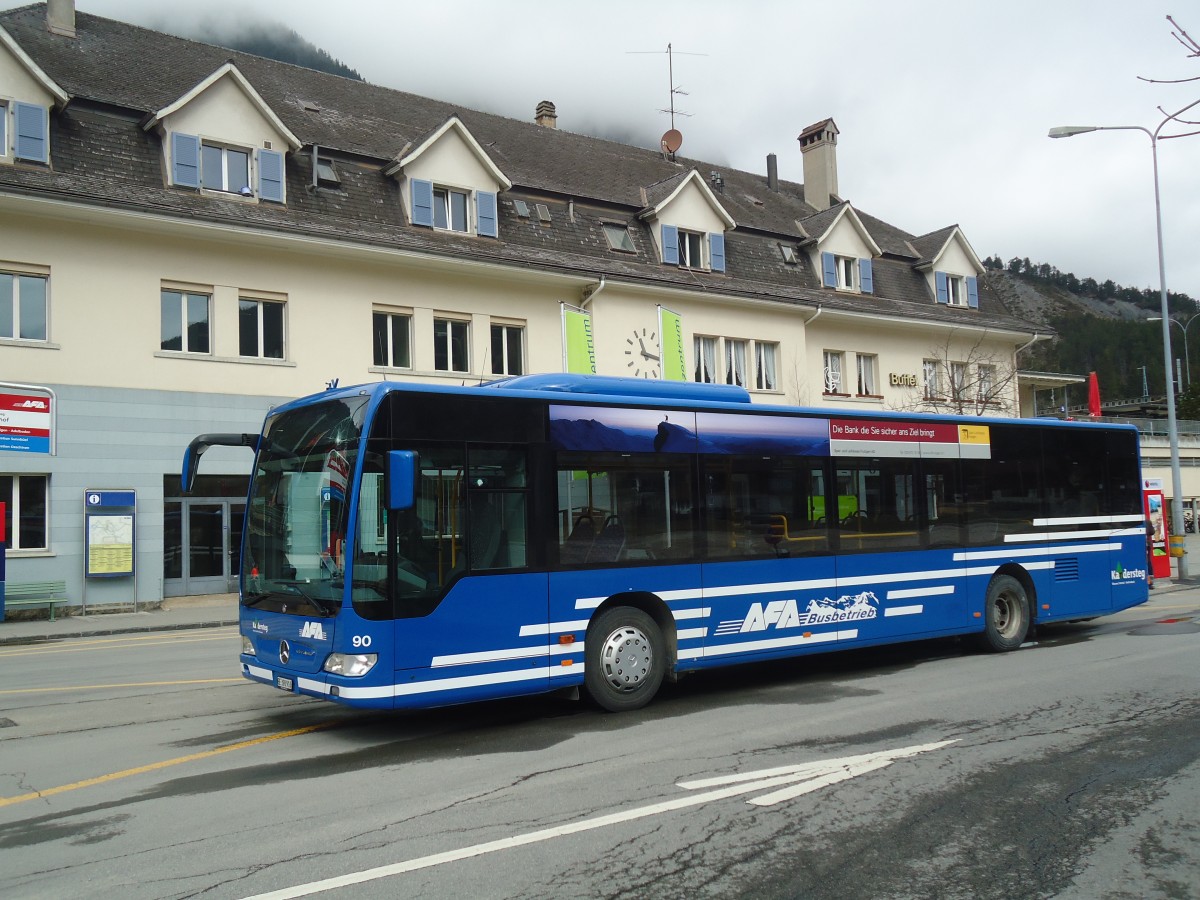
(833, 365)
(23, 310)
(958, 379)
(735, 362)
(691, 250)
(956, 290)
(618, 237)
(987, 383)
(4, 150)
(327, 175)
(847, 273)
(868, 365)
(391, 340)
(260, 329)
(24, 499)
(507, 355)
(225, 169)
(706, 359)
(931, 382)
(765, 359)
(450, 337)
(449, 209)
(185, 322)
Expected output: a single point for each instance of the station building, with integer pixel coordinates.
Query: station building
(190, 235)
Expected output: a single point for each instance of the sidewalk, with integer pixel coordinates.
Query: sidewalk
(207, 611)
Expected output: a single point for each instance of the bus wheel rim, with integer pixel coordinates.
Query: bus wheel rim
(628, 658)
(1007, 616)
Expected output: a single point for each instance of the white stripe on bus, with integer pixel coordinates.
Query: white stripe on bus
(1034, 551)
(903, 611)
(823, 637)
(1073, 535)
(1088, 520)
(553, 628)
(931, 591)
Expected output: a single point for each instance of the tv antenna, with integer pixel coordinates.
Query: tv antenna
(672, 136)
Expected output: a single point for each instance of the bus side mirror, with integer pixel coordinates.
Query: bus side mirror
(196, 449)
(401, 479)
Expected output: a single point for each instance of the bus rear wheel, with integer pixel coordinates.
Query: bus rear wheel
(1005, 614)
(625, 659)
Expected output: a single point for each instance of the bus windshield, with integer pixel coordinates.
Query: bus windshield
(294, 555)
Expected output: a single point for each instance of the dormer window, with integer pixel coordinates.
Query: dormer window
(847, 273)
(225, 169)
(957, 290)
(687, 249)
(449, 209)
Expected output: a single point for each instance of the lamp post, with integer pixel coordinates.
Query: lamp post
(1064, 131)
(1187, 359)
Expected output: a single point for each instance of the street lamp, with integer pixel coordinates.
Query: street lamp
(1064, 131)
(1187, 359)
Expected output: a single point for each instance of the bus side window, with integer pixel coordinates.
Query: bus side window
(497, 509)
(764, 507)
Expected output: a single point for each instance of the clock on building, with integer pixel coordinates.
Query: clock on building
(643, 353)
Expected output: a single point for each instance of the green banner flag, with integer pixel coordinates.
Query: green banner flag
(579, 350)
(670, 326)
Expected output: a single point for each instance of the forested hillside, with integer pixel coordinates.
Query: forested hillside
(1101, 326)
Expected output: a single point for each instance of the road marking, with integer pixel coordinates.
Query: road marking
(812, 775)
(116, 643)
(164, 764)
(131, 684)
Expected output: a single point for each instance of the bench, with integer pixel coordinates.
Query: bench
(35, 595)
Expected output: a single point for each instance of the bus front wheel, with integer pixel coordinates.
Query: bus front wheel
(625, 659)
(1006, 615)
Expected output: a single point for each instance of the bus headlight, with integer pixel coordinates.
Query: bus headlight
(248, 646)
(352, 665)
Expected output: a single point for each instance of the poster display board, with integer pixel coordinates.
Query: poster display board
(108, 533)
(1156, 514)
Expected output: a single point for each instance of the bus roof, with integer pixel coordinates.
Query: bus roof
(616, 390)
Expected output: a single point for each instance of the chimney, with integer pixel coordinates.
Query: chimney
(772, 172)
(545, 115)
(60, 17)
(818, 144)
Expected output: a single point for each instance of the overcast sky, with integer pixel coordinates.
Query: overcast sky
(943, 105)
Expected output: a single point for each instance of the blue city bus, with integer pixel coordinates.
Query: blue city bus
(411, 546)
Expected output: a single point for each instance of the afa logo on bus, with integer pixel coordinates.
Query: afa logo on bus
(786, 614)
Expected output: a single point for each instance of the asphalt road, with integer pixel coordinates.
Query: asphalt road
(143, 766)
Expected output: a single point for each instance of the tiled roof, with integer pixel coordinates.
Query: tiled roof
(118, 74)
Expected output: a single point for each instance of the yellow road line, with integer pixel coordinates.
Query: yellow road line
(111, 644)
(100, 687)
(166, 763)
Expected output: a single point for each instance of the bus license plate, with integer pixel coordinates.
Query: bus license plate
(284, 684)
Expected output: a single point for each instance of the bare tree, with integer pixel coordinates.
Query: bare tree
(964, 378)
(1193, 51)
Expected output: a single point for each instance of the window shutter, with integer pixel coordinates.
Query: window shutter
(485, 208)
(33, 127)
(973, 292)
(185, 160)
(670, 244)
(716, 251)
(422, 202)
(270, 175)
(943, 289)
(828, 270)
(866, 280)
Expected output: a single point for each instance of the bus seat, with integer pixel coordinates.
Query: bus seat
(575, 548)
(609, 543)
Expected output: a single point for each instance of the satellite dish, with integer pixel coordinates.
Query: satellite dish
(672, 141)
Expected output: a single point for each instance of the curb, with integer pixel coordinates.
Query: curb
(102, 631)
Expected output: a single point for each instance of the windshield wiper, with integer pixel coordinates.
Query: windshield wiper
(317, 603)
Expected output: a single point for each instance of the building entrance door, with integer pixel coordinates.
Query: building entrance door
(203, 546)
